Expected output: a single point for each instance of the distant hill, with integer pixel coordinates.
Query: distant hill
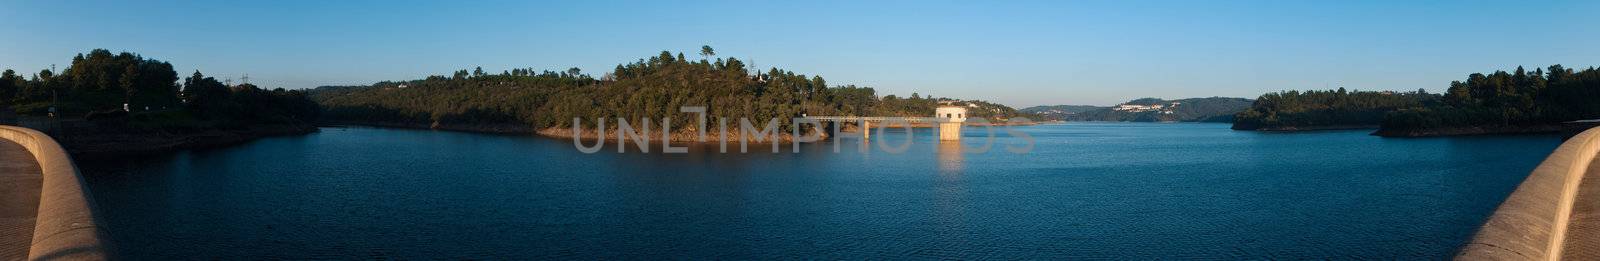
(1211, 109)
(1059, 112)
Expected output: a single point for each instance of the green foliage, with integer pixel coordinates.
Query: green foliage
(1146, 101)
(99, 83)
(1499, 99)
(653, 88)
(706, 51)
(1057, 112)
(1060, 108)
(1296, 109)
(10, 85)
(102, 81)
(1517, 98)
(98, 80)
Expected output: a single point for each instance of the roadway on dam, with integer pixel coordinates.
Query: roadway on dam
(1583, 241)
(20, 183)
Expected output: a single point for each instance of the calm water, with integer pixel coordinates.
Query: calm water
(1087, 190)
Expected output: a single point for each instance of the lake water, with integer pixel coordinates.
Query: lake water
(1086, 190)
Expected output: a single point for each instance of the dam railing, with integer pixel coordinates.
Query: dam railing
(65, 228)
(1536, 220)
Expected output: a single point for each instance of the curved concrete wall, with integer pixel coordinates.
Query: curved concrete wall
(66, 228)
(1532, 223)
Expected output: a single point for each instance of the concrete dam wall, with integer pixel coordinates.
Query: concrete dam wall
(66, 228)
(1553, 215)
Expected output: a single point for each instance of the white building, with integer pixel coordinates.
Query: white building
(951, 113)
(950, 118)
(1131, 107)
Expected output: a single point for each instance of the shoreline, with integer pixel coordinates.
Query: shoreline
(1471, 131)
(679, 136)
(89, 146)
(1310, 128)
(1424, 132)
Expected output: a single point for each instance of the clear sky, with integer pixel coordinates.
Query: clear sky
(1015, 53)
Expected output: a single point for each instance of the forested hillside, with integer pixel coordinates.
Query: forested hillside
(1058, 112)
(522, 100)
(1330, 109)
(1211, 109)
(1499, 102)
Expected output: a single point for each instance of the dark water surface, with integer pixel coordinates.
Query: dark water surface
(1087, 190)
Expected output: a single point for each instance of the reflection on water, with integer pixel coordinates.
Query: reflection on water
(1086, 191)
(950, 204)
(950, 156)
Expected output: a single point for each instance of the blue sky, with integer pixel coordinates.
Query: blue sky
(1015, 53)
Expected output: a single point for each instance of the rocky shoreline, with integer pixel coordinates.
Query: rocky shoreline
(1313, 128)
(1474, 130)
(97, 145)
(1425, 132)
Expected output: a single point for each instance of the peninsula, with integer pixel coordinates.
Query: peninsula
(526, 100)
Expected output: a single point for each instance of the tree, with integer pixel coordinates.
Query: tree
(206, 96)
(707, 52)
(1317, 108)
(10, 85)
(1500, 101)
(129, 85)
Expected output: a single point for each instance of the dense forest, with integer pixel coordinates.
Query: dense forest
(1498, 102)
(106, 104)
(522, 100)
(109, 89)
(1210, 109)
(1330, 109)
(1501, 102)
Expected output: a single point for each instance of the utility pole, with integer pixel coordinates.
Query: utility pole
(246, 78)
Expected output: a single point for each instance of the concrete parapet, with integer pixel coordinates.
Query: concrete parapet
(66, 227)
(1532, 224)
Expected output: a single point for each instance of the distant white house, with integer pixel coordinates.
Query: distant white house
(1132, 107)
(1163, 108)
